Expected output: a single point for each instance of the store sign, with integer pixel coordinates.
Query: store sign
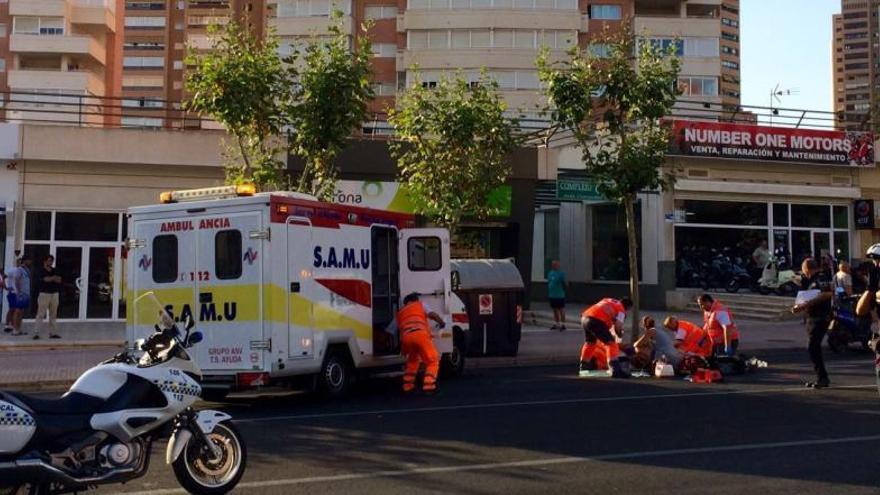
(391, 196)
(863, 209)
(778, 144)
(577, 190)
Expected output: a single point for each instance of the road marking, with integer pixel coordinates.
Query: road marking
(530, 463)
(491, 405)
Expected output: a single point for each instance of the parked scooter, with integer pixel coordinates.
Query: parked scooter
(783, 282)
(102, 430)
(846, 327)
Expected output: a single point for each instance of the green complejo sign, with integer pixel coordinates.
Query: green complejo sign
(578, 190)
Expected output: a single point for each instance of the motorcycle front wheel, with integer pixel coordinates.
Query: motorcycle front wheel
(199, 473)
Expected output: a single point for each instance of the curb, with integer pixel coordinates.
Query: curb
(52, 346)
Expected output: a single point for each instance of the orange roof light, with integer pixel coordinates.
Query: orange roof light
(166, 197)
(245, 190)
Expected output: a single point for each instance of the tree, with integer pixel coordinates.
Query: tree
(242, 85)
(331, 90)
(453, 146)
(614, 107)
(318, 96)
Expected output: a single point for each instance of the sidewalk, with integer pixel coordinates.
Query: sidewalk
(25, 365)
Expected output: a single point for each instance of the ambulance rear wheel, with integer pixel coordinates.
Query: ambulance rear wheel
(336, 376)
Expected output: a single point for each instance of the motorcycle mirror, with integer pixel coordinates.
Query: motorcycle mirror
(190, 323)
(194, 338)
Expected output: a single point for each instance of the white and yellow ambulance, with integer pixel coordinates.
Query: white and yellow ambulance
(284, 286)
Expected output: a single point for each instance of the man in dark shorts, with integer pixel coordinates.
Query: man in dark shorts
(556, 295)
(603, 322)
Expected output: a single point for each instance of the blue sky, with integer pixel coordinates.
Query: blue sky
(787, 42)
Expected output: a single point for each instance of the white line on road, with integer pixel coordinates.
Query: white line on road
(531, 463)
(584, 400)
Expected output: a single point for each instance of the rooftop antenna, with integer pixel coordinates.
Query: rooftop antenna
(775, 95)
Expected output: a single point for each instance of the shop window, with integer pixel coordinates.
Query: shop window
(164, 259)
(724, 212)
(86, 226)
(425, 254)
(841, 246)
(551, 238)
(708, 255)
(227, 254)
(38, 225)
(816, 216)
(841, 217)
(610, 246)
(780, 215)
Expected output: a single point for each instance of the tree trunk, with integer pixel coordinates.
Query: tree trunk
(629, 204)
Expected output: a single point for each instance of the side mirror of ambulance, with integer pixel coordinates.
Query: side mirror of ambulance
(194, 339)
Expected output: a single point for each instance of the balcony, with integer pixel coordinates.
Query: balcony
(74, 81)
(678, 26)
(72, 45)
(93, 12)
(307, 26)
(491, 18)
(450, 59)
(47, 8)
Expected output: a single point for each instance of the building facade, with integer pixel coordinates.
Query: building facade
(854, 61)
(60, 59)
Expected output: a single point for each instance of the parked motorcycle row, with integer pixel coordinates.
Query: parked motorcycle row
(726, 270)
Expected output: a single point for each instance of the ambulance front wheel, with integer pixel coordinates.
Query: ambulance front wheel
(336, 376)
(452, 363)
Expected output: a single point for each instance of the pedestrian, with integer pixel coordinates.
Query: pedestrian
(718, 323)
(603, 322)
(761, 255)
(417, 345)
(19, 296)
(556, 285)
(843, 278)
(818, 316)
(48, 286)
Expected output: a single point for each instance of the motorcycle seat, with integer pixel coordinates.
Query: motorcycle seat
(69, 404)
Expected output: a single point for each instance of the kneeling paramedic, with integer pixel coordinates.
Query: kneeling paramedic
(603, 322)
(416, 343)
(689, 337)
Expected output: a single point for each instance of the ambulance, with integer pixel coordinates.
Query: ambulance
(286, 288)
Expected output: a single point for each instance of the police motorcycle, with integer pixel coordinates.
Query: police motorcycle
(101, 431)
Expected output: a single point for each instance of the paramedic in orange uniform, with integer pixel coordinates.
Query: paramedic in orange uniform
(718, 321)
(416, 343)
(689, 337)
(603, 322)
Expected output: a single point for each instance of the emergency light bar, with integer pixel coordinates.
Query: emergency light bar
(222, 192)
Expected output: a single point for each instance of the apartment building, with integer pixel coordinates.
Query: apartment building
(59, 58)
(854, 60)
(156, 36)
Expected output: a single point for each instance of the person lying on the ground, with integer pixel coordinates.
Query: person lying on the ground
(689, 338)
(664, 345)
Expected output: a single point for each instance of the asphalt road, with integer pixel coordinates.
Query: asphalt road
(542, 430)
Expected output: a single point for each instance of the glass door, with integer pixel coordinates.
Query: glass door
(99, 273)
(69, 265)
(801, 247)
(821, 244)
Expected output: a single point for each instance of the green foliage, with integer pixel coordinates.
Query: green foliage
(241, 83)
(318, 97)
(330, 93)
(454, 142)
(614, 107)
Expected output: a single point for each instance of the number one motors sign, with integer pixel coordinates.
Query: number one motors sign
(777, 144)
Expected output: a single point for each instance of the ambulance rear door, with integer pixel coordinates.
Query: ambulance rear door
(161, 256)
(229, 283)
(424, 269)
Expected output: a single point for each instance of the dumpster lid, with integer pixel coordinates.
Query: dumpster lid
(487, 274)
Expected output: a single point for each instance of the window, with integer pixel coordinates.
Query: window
(50, 26)
(780, 215)
(141, 122)
(701, 47)
(606, 12)
(2, 29)
(384, 89)
(227, 254)
(729, 50)
(2, 65)
(380, 12)
(86, 226)
(818, 216)
(599, 50)
(524, 39)
(144, 22)
(610, 245)
(841, 217)
(698, 86)
(729, 65)
(481, 38)
(143, 62)
(143, 103)
(439, 39)
(729, 36)
(144, 45)
(145, 6)
(723, 212)
(729, 22)
(384, 49)
(38, 225)
(164, 259)
(425, 254)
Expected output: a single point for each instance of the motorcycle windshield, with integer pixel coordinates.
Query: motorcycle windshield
(150, 312)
